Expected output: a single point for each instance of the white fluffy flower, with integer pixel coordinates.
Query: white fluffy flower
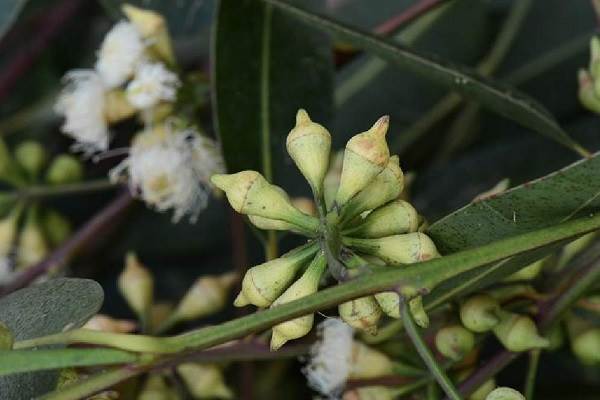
(330, 358)
(119, 54)
(152, 83)
(165, 169)
(82, 104)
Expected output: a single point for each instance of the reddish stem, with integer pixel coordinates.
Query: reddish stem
(86, 235)
(411, 13)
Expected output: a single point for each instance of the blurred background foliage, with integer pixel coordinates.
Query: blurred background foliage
(42, 39)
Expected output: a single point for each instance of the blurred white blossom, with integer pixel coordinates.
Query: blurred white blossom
(152, 83)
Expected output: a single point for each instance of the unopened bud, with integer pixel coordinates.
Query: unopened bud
(155, 388)
(56, 227)
(306, 205)
(479, 313)
(307, 284)
(484, 390)
(204, 381)
(117, 107)
(309, 145)
(264, 283)
(368, 363)
(397, 249)
(152, 27)
(207, 296)
(8, 230)
(6, 337)
(417, 311)
(504, 393)
(249, 193)
(454, 342)
(587, 93)
(574, 248)
(101, 322)
(518, 333)
(9, 169)
(389, 303)
(527, 273)
(366, 155)
(31, 156)
(369, 393)
(32, 246)
(136, 284)
(584, 336)
(332, 179)
(392, 219)
(363, 313)
(64, 169)
(385, 187)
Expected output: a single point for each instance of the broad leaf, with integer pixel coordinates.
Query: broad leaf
(266, 66)
(44, 309)
(500, 98)
(16, 361)
(9, 10)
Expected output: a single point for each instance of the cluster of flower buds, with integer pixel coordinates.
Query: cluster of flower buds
(29, 230)
(170, 161)
(207, 296)
(589, 80)
(360, 213)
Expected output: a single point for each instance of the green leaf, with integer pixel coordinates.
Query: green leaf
(44, 309)
(500, 98)
(9, 10)
(266, 66)
(569, 193)
(16, 361)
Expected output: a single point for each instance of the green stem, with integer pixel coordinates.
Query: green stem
(534, 360)
(45, 191)
(421, 347)
(411, 387)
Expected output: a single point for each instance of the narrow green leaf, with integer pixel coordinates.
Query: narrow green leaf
(500, 98)
(9, 10)
(15, 361)
(266, 65)
(44, 309)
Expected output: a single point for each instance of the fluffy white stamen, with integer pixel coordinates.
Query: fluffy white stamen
(82, 104)
(119, 54)
(330, 358)
(165, 170)
(152, 83)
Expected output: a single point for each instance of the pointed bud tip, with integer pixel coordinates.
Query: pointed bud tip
(302, 117)
(241, 300)
(277, 341)
(220, 180)
(380, 127)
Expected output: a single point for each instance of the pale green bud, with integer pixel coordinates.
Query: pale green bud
(389, 303)
(136, 284)
(9, 169)
(394, 218)
(249, 193)
(8, 230)
(207, 296)
(479, 313)
(309, 145)
(117, 107)
(307, 284)
(56, 227)
(417, 311)
(586, 346)
(587, 93)
(155, 388)
(6, 337)
(527, 273)
(264, 283)
(368, 362)
(484, 390)
(32, 246)
(204, 381)
(31, 156)
(382, 189)
(152, 27)
(332, 179)
(397, 249)
(363, 313)
(519, 333)
(575, 247)
(454, 342)
(64, 169)
(504, 393)
(366, 155)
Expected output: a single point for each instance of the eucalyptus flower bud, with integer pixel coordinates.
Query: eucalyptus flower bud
(204, 381)
(264, 283)
(479, 313)
(587, 93)
(32, 246)
(207, 296)
(504, 393)
(307, 284)
(309, 144)
(136, 284)
(584, 337)
(155, 388)
(64, 169)
(454, 342)
(366, 155)
(518, 333)
(363, 313)
(392, 219)
(484, 390)
(417, 311)
(383, 188)
(8, 230)
(331, 182)
(369, 393)
(116, 106)
(306, 205)
(6, 337)
(397, 249)
(368, 363)
(527, 273)
(249, 193)
(101, 322)
(575, 247)
(56, 227)
(9, 169)
(31, 156)
(152, 27)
